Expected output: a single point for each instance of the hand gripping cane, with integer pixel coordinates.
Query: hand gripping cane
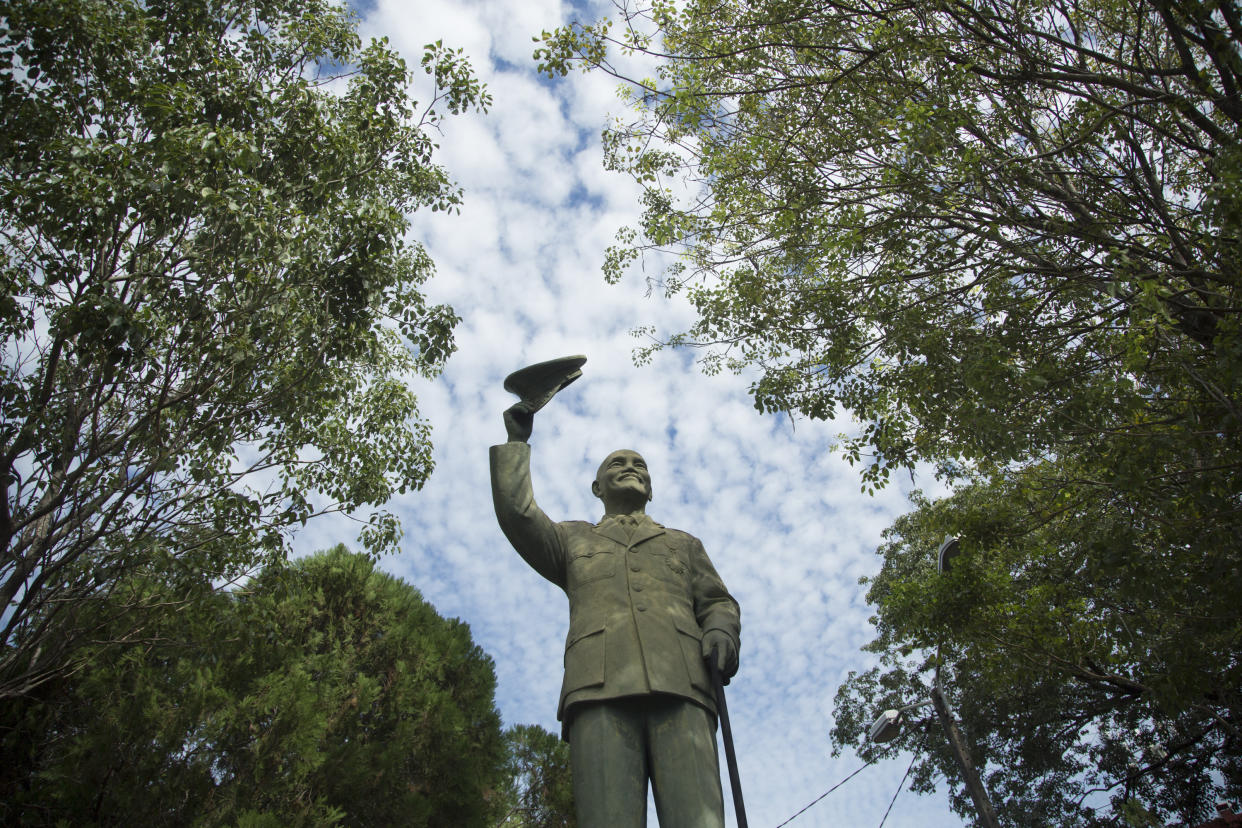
(727, 733)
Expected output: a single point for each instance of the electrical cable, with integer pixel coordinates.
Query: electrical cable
(900, 785)
(825, 793)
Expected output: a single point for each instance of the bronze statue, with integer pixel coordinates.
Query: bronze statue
(646, 608)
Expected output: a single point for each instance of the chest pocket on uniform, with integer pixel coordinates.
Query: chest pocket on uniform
(591, 565)
(667, 565)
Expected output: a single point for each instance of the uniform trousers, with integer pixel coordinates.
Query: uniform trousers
(616, 746)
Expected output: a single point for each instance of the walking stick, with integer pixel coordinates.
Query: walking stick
(726, 731)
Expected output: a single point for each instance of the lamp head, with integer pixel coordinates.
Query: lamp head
(886, 727)
(949, 550)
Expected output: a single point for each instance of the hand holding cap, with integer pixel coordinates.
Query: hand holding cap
(536, 385)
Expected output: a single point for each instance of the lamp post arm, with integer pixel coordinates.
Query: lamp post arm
(983, 806)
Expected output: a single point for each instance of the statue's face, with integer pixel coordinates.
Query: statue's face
(622, 476)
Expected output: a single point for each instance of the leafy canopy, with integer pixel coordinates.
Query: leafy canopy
(1094, 668)
(538, 790)
(210, 310)
(323, 692)
(991, 231)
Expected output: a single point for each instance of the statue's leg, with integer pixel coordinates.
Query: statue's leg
(685, 770)
(607, 754)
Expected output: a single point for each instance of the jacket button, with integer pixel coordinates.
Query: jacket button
(635, 569)
(641, 607)
(638, 587)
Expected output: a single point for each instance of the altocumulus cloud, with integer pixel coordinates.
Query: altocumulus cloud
(780, 514)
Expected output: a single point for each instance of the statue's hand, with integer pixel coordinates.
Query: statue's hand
(519, 423)
(725, 653)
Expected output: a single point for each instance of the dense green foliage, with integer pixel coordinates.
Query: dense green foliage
(986, 229)
(1097, 675)
(538, 790)
(323, 692)
(209, 312)
(1007, 238)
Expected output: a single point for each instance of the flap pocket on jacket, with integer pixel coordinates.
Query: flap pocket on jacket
(590, 565)
(584, 661)
(687, 628)
(667, 564)
(692, 651)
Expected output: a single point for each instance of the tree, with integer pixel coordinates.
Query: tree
(323, 692)
(209, 309)
(986, 230)
(1096, 675)
(539, 787)
(1005, 237)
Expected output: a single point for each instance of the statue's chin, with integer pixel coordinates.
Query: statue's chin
(624, 502)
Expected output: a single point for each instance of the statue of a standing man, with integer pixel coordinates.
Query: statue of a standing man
(646, 607)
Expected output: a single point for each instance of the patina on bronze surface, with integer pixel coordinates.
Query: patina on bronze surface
(646, 607)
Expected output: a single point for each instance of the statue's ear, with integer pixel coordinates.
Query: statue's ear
(595, 487)
(649, 493)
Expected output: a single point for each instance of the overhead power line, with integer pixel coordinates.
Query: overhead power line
(900, 785)
(825, 793)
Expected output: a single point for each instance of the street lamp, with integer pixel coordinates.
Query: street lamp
(887, 726)
(949, 550)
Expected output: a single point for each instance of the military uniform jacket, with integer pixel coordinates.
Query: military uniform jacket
(638, 604)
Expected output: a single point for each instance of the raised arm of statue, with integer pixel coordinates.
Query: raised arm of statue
(533, 534)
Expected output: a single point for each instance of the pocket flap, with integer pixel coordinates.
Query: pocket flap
(687, 628)
(575, 637)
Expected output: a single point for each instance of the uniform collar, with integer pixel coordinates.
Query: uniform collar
(639, 519)
(643, 528)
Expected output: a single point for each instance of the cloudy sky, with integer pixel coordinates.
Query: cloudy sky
(780, 514)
